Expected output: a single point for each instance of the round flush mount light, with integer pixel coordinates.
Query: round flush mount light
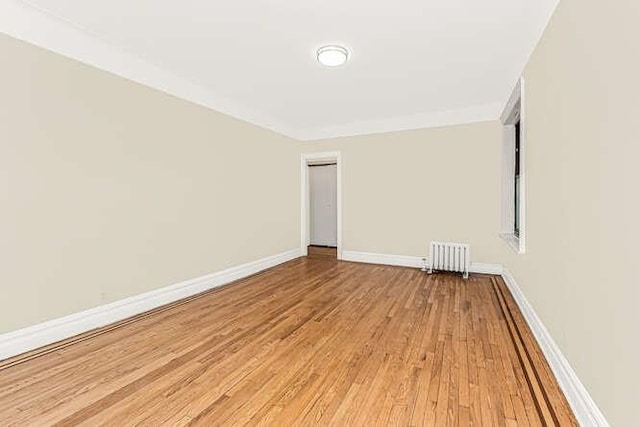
(332, 55)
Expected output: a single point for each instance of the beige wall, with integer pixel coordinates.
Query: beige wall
(583, 210)
(403, 189)
(109, 189)
(583, 204)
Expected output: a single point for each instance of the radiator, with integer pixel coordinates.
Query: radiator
(444, 256)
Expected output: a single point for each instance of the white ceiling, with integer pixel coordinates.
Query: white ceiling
(414, 63)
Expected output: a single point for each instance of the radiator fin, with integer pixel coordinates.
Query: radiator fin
(446, 256)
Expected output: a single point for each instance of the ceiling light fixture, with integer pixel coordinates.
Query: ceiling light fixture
(332, 55)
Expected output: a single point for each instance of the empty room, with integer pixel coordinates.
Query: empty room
(307, 213)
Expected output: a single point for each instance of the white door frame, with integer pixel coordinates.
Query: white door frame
(307, 159)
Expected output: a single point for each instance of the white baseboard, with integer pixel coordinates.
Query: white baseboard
(584, 408)
(36, 336)
(386, 259)
(484, 268)
(411, 261)
(33, 337)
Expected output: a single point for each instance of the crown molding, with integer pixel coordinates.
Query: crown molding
(480, 113)
(26, 22)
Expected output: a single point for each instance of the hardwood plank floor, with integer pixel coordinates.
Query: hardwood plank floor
(322, 252)
(314, 341)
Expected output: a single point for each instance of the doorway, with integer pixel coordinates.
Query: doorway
(323, 197)
(321, 207)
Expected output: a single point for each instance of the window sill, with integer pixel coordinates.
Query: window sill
(513, 241)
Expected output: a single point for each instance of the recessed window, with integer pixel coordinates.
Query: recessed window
(513, 188)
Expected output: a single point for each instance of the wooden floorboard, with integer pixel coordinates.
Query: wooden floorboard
(326, 252)
(314, 341)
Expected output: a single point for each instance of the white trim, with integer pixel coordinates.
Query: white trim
(385, 259)
(36, 336)
(522, 237)
(514, 110)
(411, 261)
(475, 114)
(39, 27)
(484, 268)
(512, 241)
(305, 160)
(584, 407)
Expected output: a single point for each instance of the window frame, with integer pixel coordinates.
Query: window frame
(512, 114)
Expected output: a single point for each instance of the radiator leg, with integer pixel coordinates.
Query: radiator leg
(465, 275)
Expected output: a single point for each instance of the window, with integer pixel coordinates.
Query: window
(516, 183)
(513, 148)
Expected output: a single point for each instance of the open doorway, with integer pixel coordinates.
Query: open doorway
(321, 205)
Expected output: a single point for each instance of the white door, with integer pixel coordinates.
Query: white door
(323, 195)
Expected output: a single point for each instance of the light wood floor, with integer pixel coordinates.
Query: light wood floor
(312, 342)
